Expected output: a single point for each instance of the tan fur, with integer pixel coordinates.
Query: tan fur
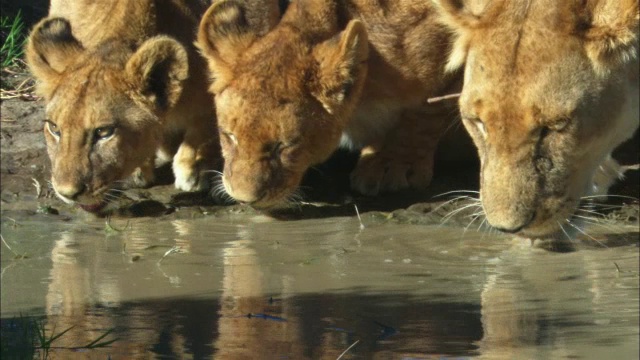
(128, 68)
(551, 88)
(355, 73)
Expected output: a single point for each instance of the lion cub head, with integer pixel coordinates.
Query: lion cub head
(550, 90)
(283, 95)
(105, 106)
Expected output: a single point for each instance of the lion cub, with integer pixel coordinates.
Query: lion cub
(122, 83)
(546, 101)
(353, 73)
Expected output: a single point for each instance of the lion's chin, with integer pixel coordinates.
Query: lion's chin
(275, 202)
(274, 205)
(559, 229)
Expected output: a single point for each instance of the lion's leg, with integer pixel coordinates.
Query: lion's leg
(144, 176)
(608, 172)
(197, 153)
(405, 158)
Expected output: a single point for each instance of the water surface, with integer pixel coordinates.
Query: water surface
(249, 287)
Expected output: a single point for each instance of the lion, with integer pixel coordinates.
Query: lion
(289, 90)
(550, 90)
(125, 91)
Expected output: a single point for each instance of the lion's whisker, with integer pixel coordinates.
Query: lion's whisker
(581, 231)
(597, 222)
(608, 196)
(454, 200)
(220, 173)
(456, 211)
(294, 199)
(457, 192)
(591, 212)
(565, 232)
(473, 219)
(218, 191)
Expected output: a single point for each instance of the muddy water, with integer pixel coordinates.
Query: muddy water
(248, 287)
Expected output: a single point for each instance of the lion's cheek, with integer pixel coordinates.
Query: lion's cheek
(52, 147)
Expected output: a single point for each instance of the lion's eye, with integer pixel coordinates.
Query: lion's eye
(229, 136)
(475, 121)
(276, 149)
(105, 132)
(559, 125)
(53, 129)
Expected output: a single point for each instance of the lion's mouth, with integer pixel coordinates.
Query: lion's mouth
(93, 208)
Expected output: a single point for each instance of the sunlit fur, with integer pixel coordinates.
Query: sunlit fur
(550, 89)
(112, 65)
(289, 91)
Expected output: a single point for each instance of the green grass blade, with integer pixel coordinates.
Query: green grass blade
(94, 342)
(55, 337)
(103, 344)
(15, 39)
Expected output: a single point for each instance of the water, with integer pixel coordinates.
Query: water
(249, 287)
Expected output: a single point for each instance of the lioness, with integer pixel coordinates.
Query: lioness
(122, 82)
(550, 89)
(329, 73)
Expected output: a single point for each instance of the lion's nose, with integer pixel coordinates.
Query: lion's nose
(512, 229)
(252, 199)
(70, 191)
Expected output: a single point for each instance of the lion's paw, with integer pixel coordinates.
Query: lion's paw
(375, 174)
(188, 177)
(142, 178)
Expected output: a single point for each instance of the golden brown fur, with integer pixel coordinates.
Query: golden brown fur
(352, 73)
(122, 82)
(551, 88)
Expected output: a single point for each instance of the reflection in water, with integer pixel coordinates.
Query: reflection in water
(542, 305)
(249, 324)
(252, 289)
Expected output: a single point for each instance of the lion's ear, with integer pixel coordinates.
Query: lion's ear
(611, 37)
(51, 48)
(463, 16)
(224, 33)
(228, 28)
(342, 67)
(158, 70)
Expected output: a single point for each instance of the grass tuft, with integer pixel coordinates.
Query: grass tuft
(12, 33)
(27, 338)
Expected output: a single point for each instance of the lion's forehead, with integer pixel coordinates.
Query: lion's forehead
(83, 110)
(551, 84)
(88, 97)
(258, 109)
(273, 66)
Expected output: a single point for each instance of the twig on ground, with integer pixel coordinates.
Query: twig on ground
(359, 218)
(173, 250)
(18, 256)
(24, 90)
(38, 187)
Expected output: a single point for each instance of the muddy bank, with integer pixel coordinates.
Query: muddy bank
(25, 172)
